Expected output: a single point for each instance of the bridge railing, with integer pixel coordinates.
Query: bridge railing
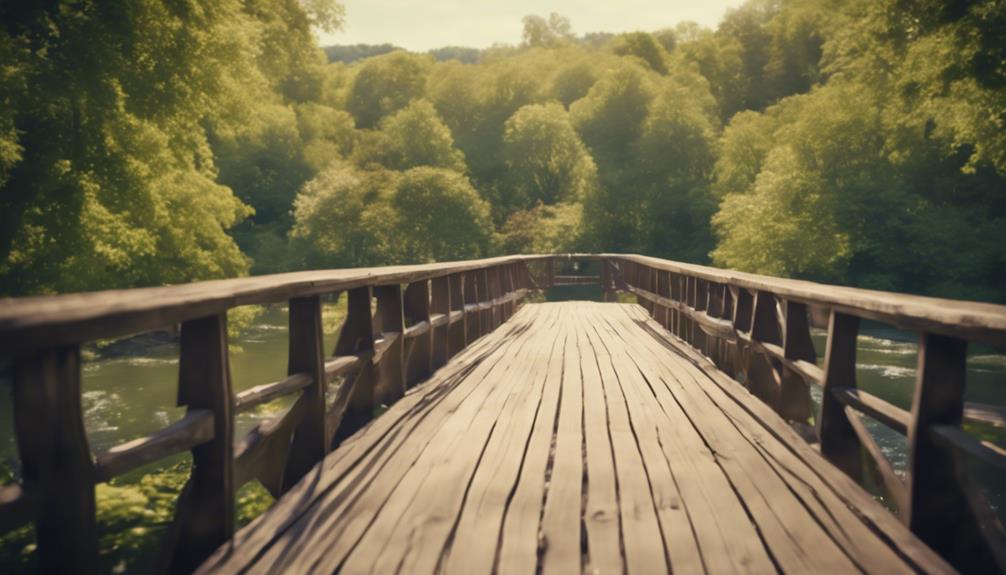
(401, 324)
(758, 329)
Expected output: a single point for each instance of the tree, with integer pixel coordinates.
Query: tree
(344, 218)
(644, 47)
(107, 176)
(440, 216)
(385, 84)
(542, 230)
(541, 32)
(546, 161)
(414, 136)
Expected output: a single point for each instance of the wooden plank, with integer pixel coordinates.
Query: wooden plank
(324, 535)
(306, 354)
(473, 547)
(405, 420)
(255, 396)
(797, 542)
(956, 438)
(560, 522)
(195, 428)
(34, 322)
(56, 458)
(204, 515)
(601, 514)
(792, 456)
(390, 360)
(440, 308)
(728, 540)
(418, 351)
(890, 415)
(519, 539)
(938, 511)
(356, 337)
(964, 319)
(416, 497)
(657, 525)
(892, 485)
(839, 443)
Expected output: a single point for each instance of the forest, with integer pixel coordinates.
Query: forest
(858, 142)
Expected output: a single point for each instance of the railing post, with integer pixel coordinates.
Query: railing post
(763, 374)
(661, 288)
(355, 337)
(419, 350)
(440, 303)
(204, 516)
(56, 459)
(485, 315)
(607, 282)
(307, 355)
(391, 366)
(473, 320)
(457, 337)
(839, 442)
(939, 512)
(794, 396)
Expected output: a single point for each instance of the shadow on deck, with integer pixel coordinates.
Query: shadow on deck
(575, 437)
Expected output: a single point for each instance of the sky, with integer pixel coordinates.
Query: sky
(420, 25)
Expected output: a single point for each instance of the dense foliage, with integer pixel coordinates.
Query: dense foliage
(852, 141)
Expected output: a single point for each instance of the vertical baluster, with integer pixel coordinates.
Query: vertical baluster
(763, 373)
(485, 296)
(675, 287)
(357, 336)
(204, 516)
(743, 309)
(473, 320)
(839, 442)
(56, 459)
(550, 272)
(440, 303)
(419, 350)
(939, 512)
(795, 402)
(390, 319)
(458, 331)
(699, 304)
(307, 355)
(664, 290)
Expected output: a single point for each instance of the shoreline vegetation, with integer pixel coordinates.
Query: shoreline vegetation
(846, 141)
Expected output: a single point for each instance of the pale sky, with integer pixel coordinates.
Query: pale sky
(420, 25)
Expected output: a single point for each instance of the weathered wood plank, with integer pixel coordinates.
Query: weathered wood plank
(195, 428)
(56, 458)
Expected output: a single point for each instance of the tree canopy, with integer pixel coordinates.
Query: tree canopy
(853, 141)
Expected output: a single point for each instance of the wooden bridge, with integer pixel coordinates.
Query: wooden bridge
(673, 434)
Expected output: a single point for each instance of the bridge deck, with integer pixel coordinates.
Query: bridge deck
(576, 437)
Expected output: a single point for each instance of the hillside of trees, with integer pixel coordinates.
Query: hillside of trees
(852, 141)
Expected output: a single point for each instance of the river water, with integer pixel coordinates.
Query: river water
(128, 397)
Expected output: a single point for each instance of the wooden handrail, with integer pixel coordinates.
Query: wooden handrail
(442, 308)
(757, 329)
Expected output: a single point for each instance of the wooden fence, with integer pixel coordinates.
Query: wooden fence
(758, 330)
(404, 322)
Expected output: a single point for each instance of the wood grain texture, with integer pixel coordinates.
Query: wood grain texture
(576, 437)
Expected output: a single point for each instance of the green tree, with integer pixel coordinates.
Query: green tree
(644, 47)
(546, 161)
(440, 216)
(344, 218)
(414, 136)
(108, 179)
(385, 84)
